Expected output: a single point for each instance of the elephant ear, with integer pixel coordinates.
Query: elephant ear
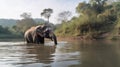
(39, 31)
(41, 28)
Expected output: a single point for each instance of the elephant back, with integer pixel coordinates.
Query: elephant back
(41, 28)
(29, 31)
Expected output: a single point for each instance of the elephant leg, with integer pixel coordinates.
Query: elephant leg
(28, 39)
(41, 40)
(36, 40)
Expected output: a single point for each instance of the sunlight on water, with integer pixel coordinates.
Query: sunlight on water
(65, 54)
(11, 43)
(51, 43)
(6, 65)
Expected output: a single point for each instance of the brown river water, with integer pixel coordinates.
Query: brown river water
(16, 53)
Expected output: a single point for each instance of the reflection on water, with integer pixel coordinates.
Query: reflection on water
(65, 54)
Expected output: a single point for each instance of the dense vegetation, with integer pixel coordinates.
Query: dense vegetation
(10, 28)
(97, 19)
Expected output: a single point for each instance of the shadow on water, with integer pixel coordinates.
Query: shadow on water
(99, 53)
(42, 53)
(52, 56)
(65, 54)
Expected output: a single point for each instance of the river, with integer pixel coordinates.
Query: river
(16, 53)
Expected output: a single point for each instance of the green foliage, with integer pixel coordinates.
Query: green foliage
(24, 24)
(93, 22)
(4, 30)
(98, 5)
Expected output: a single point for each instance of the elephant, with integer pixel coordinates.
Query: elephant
(38, 33)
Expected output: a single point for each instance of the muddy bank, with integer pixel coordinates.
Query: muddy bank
(72, 38)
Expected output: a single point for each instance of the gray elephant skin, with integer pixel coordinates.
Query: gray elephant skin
(38, 33)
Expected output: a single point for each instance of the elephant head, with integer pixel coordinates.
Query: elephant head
(48, 33)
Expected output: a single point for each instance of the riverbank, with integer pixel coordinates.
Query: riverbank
(72, 38)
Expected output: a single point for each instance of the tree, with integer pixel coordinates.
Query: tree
(25, 23)
(98, 5)
(63, 16)
(47, 13)
(25, 15)
(82, 7)
(85, 9)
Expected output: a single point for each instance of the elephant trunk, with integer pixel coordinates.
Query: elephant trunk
(54, 38)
